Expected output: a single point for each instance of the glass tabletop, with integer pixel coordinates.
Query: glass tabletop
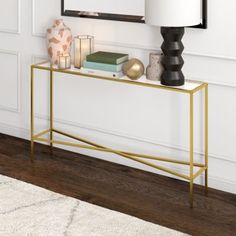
(190, 86)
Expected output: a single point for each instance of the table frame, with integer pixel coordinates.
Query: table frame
(141, 158)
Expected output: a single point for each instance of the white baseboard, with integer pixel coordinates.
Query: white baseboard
(14, 131)
(222, 184)
(214, 181)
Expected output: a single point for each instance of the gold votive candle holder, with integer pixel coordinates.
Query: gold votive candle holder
(64, 61)
(84, 45)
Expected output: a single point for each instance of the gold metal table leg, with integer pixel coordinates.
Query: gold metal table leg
(32, 113)
(206, 139)
(191, 154)
(51, 108)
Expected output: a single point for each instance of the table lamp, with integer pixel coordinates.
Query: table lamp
(172, 16)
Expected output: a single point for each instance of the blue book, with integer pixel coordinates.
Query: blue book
(102, 73)
(103, 66)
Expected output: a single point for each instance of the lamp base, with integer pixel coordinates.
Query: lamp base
(172, 62)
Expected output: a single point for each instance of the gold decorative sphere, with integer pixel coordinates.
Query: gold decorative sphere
(134, 69)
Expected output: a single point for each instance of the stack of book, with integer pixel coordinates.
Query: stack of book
(107, 64)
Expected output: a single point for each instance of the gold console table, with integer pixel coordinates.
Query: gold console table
(190, 89)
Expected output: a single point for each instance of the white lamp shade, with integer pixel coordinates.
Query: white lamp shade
(173, 13)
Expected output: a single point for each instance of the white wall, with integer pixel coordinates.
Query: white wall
(122, 116)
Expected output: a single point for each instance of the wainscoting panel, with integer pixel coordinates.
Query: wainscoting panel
(43, 14)
(217, 71)
(9, 81)
(10, 17)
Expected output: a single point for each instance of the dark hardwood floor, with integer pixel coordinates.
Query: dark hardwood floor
(151, 197)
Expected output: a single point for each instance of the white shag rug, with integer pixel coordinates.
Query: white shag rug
(28, 210)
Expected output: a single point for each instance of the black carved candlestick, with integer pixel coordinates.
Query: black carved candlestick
(173, 62)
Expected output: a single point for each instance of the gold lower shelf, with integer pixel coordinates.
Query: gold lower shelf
(141, 158)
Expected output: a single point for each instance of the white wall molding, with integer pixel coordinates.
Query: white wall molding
(212, 82)
(133, 138)
(15, 131)
(37, 58)
(34, 33)
(209, 55)
(17, 109)
(155, 48)
(18, 30)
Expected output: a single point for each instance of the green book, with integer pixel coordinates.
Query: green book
(108, 57)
